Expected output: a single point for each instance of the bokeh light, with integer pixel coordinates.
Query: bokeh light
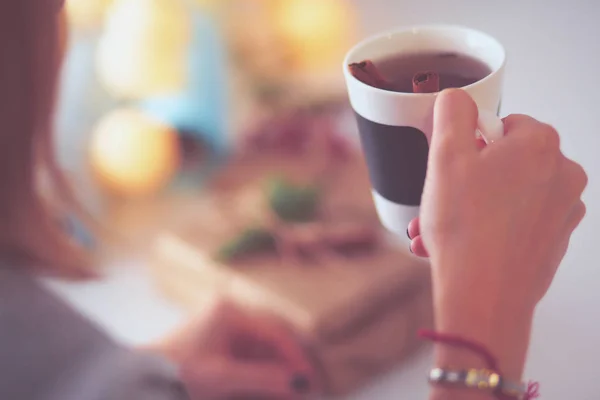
(132, 154)
(210, 68)
(142, 51)
(317, 31)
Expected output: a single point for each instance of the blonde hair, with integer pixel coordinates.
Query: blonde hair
(31, 234)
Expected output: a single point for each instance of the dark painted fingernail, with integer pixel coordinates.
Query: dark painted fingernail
(408, 234)
(410, 248)
(300, 384)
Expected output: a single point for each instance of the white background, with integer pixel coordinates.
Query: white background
(553, 74)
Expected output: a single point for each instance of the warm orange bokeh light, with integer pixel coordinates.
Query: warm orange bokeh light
(133, 154)
(317, 31)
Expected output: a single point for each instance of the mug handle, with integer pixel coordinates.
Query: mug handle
(489, 127)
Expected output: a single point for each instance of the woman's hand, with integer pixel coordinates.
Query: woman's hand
(233, 354)
(496, 222)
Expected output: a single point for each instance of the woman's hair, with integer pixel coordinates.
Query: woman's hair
(31, 235)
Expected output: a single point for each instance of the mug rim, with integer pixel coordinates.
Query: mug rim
(427, 27)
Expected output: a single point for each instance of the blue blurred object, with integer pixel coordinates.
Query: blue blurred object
(82, 102)
(201, 109)
(78, 232)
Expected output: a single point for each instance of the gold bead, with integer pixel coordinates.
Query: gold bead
(472, 377)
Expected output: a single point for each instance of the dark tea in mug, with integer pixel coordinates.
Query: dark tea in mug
(455, 70)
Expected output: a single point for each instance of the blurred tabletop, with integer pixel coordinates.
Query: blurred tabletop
(553, 74)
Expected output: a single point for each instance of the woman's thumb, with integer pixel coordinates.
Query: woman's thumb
(454, 125)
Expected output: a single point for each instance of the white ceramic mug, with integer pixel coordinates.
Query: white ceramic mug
(394, 127)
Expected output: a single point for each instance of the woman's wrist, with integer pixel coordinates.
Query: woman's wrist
(505, 332)
(505, 336)
(457, 359)
(499, 321)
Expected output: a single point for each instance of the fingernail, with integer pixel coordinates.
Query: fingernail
(408, 234)
(410, 248)
(300, 384)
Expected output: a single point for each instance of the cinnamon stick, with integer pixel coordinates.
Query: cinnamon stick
(426, 82)
(366, 72)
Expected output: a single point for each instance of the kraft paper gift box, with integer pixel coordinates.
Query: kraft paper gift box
(357, 316)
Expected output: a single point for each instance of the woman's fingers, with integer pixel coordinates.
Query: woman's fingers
(414, 229)
(251, 333)
(454, 125)
(225, 378)
(273, 333)
(514, 121)
(261, 381)
(576, 216)
(575, 177)
(418, 248)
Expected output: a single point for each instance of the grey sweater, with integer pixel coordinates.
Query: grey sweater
(50, 352)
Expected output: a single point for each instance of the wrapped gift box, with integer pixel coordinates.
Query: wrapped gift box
(357, 315)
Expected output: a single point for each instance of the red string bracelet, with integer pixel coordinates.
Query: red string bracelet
(457, 341)
(491, 361)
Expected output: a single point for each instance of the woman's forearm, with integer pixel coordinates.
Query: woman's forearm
(502, 326)
(505, 336)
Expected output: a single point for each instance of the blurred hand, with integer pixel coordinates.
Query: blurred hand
(232, 354)
(496, 222)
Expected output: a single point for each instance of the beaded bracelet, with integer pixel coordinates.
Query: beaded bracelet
(482, 379)
(490, 378)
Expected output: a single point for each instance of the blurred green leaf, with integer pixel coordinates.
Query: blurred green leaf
(293, 203)
(251, 241)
